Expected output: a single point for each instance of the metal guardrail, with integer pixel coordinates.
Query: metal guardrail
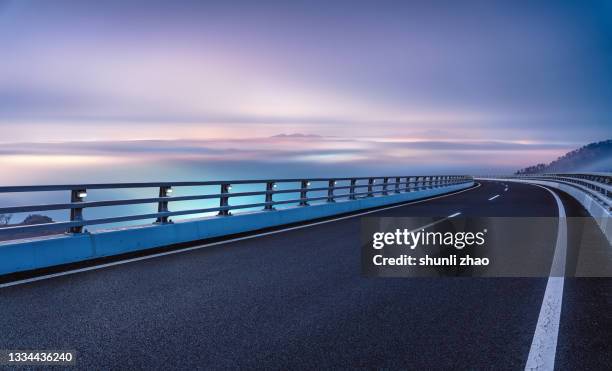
(598, 185)
(357, 188)
(596, 182)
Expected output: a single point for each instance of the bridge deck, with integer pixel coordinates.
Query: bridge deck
(286, 299)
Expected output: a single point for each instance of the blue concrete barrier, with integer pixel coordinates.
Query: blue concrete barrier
(24, 255)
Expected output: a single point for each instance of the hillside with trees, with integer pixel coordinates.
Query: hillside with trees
(594, 157)
(31, 219)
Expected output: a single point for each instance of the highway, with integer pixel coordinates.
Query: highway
(297, 300)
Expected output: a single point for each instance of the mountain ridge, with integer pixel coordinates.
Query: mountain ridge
(593, 157)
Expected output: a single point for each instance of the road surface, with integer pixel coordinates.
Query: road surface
(297, 299)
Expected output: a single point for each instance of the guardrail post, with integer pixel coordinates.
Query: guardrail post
(269, 193)
(162, 206)
(352, 189)
(370, 187)
(397, 185)
(330, 190)
(224, 199)
(76, 214)
(407, 187)
(385, 184)
(304, 193)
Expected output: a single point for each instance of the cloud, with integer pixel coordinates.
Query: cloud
(289, 149)
(463, 69)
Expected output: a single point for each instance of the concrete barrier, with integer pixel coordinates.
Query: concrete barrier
(24, 255)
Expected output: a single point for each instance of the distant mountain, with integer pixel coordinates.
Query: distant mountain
(29, 220)
(596, 157)
(36, 219)
(296, 135)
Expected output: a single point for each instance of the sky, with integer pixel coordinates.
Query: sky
(527, 76)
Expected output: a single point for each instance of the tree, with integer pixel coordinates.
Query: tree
(5, 219)
(592, 157)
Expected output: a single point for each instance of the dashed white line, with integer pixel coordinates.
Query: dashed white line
(384, 223)
(493, 198)
(436, 222)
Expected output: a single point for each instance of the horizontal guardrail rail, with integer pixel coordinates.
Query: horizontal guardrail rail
(597, 185)
(357, 187)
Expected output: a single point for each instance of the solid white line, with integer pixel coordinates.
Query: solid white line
(493, 198)
(120, 262)
(544, 344)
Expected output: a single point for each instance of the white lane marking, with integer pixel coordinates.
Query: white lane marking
(493, 198)
(385, 224)
(120, 262)
(436, 222)
(544, 344)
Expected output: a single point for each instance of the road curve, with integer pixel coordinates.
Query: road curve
(293, 300)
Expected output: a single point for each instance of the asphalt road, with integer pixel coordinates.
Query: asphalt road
(297, 300)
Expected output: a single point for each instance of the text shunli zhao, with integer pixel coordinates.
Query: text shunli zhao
(414, 239)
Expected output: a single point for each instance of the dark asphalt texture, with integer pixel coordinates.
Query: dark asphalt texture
(297, 300)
